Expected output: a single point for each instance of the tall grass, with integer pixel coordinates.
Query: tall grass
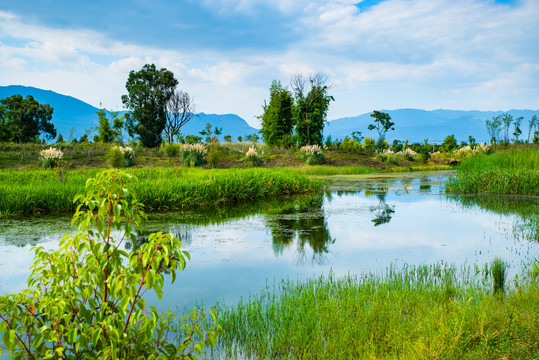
(511, 172)
(157, 188)
(423, 312)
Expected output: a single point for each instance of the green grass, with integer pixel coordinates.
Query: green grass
(322, 170)
(157, 188)
(424, 312)
(514, 171)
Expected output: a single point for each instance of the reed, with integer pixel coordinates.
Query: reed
(423, 312)
(157, 188)
(514, 171)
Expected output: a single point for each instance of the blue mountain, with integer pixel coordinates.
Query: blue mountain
(71, 113)
(416, 125)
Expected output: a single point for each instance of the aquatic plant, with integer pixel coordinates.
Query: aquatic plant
(85, 300)
(498, 270)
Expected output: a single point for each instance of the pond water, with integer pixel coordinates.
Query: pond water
(364, 224)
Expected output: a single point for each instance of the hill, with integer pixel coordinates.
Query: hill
(71, 113)
(417, 125)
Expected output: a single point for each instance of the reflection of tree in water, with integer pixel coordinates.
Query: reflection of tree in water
(424, 184)
(305, 223)
(184, 235)
(383, 212)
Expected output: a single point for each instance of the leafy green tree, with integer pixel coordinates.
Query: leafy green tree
(149, 90)
(211, 134)
(277, 120)
(60, 139)
(22, 120)
(450, 143)
(85, 300)
(109, 133)
(382, 123)
(228, 138)
(312, 104)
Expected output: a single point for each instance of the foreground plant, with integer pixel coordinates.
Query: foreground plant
(85, 300)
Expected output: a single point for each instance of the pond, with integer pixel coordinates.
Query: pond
(364, 224)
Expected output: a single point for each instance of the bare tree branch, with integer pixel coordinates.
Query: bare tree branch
(180, 110)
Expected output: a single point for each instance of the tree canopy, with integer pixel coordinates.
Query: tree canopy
(277, 120)
(180, 110)
(149, 90)
(382, 123)
(24, 119)
(312, 104)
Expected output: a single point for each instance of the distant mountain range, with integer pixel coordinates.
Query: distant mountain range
(71, 113)
(412, 124)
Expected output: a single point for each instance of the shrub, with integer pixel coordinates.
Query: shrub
(193, 154)
(85, 299)
(171, 150)
(251, 157)
(50, 157)
(351, 145)
(368, 144)
(312, 154)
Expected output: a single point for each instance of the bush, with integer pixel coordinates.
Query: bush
(50, 157)
(115, 157)
(193, 154)
(171, 150)
(312, 154)
(351, 145)
(85, 299)
(251, 157)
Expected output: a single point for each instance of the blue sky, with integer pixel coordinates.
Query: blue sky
(379, 54)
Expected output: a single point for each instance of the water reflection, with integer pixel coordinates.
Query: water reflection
(304, 222)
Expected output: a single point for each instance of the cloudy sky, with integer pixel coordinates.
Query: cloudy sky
(379, 54)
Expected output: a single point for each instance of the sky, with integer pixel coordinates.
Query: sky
(378, 54)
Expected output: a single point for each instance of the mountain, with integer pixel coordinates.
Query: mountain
(71, 113)
(410, 124)
(417, 125)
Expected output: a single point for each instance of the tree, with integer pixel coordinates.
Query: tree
(149, 91)
(180, 110)
(108, 133)
(493, 128)
(506, 120)
(517, 132)
(450, 143)
(277, 120)
(211, 134)
(311, 107)
(24, 119)
(533, 123)
(382, 123)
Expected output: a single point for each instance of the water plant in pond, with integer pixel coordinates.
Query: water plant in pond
(85, 300)
(498, 270)
(421, 312)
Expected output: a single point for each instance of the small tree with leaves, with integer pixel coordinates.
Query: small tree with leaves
(382, 124)
(85, 300)
(533, 123)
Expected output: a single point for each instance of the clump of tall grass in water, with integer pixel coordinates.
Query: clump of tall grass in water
(498, 270)
(418, 312)
(512, 172)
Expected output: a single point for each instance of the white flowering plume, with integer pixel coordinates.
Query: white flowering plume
(251, 152)
(311, 150)
(51, 154)
(196, 148)
(125, 150)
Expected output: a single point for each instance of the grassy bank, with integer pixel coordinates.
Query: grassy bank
(514, 171)
(425, 312)
(157, 188)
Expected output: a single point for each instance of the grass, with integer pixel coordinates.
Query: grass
(423, 312)
(514, 171)
(47, 191)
